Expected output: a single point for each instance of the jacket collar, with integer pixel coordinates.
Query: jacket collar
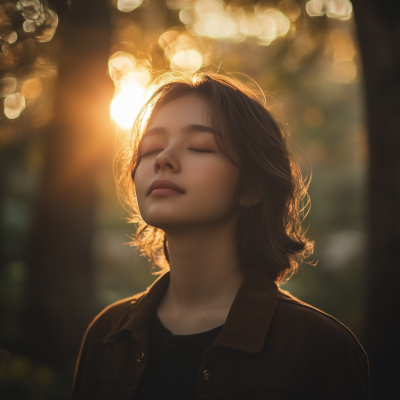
(247, 322)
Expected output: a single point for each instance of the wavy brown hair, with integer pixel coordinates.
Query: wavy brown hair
(269, 234)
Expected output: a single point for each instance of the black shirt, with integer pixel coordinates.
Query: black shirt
(174, 363)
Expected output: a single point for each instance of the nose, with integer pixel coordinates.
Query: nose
(165, 161)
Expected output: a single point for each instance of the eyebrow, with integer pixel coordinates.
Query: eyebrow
(194, 128)
(199, 128)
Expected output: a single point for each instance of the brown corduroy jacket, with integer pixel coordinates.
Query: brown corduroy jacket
(272, 346)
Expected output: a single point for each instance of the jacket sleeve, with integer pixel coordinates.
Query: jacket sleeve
(361, 369)
(80, 365)
(346, 371)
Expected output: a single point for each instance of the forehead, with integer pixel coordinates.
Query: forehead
(186, 110)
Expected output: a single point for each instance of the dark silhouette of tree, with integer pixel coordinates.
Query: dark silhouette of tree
(77, 146)
(378, 27)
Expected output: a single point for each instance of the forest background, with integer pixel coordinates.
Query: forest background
(72, 73)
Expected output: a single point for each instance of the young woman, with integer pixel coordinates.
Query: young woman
(218, 199)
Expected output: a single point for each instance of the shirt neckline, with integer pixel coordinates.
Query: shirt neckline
(199, 335)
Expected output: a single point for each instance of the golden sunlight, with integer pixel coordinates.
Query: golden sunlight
(126, 106)
(131, 78)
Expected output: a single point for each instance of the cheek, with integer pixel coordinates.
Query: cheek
(217, 181)
(142, 176)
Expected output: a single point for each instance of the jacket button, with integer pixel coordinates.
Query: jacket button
(206, 374)
(140, 357)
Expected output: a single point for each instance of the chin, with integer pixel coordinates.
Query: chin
(170, 222)
(162, 220)
(163, 213)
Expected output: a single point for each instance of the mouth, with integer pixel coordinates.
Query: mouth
(164, 187)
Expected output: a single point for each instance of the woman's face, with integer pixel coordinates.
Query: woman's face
(183, 179)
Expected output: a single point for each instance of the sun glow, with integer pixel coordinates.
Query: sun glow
(126, 106)
(131, 78)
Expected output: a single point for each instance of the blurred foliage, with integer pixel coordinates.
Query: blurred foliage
(303, 55)
(22, 379)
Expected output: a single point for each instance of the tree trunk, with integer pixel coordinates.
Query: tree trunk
(77, 146)
(378, 27)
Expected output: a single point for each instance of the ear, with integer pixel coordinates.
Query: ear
(250, 201)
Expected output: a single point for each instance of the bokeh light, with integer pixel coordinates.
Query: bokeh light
(210, 7)
(31, 88)
(184, 51)
(215, 20)
(269, 29)
(187, 60)
(14, 105)
(31, 9)
(47, 34)
(119, 65)
(188, 16)
(250, 25)
(340, 47)
(291, 9)
(36, 15)
(131, 78)
(217, 26)
(167, 37)
(29, 26)
(8, 86)
(340, 9)
(12, 37)
(128, 5)
(315, 8)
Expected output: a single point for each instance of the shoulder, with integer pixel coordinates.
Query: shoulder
(316, 327)
(310, 317)
(115, 317)
(330, 356)
(117, 312)
(130, 314)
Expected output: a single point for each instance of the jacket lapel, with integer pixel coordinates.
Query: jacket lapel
(142, 307)
(251, 313)
(247, 322)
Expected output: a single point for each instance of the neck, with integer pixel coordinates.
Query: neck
(204, 265)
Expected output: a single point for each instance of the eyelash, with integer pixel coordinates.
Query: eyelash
(201, 150)
(196, 150)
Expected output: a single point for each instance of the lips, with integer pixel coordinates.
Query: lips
(164, 187)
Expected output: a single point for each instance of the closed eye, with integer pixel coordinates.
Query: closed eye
(201, 150)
